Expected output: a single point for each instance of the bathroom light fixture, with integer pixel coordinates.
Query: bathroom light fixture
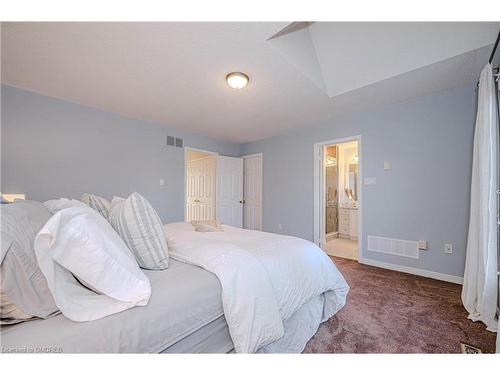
(237, 80)
(330, 160)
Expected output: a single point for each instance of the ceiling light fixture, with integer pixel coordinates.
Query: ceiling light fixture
(237, 80)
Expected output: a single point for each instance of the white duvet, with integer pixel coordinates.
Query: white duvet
(265, 278)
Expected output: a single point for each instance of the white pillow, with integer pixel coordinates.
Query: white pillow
(79, 243)
(55, 205)
(140, 227)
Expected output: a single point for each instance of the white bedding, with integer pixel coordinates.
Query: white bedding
(184, 299)
(265, 278)
(78, 246)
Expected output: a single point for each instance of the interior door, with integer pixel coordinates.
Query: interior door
(230, 190)
(252, 192)
(200, 189)
(191, 190)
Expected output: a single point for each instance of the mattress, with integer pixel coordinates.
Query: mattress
(184, 315)
(184, 299)
(211, 338)
(215, 337)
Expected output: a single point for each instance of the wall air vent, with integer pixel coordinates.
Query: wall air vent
(170, 140)
(393, 246)
(174, 141)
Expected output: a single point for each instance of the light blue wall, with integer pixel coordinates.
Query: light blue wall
(52, 148)
(428, 142)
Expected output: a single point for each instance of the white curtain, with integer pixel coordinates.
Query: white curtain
(480, 288)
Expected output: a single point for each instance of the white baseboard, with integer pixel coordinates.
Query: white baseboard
(413, 271)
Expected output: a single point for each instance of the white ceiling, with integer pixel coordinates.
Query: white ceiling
(343, 56)
(173, 73)
(382, 50)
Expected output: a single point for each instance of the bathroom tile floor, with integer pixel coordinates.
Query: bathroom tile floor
(342, 247)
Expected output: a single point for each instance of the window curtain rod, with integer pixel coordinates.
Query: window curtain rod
(492, 55)
(494, 48)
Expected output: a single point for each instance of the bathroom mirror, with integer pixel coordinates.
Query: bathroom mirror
(353, 180)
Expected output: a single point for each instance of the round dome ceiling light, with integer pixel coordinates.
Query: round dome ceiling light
(237, 80)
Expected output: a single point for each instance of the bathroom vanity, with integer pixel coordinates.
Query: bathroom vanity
(348, 222)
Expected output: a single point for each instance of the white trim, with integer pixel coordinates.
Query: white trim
(186, 149)
(339, 140)
(259, 154)
(251, 155)
(199, 150)
(319, 196)
(317, 216)
(413, 271)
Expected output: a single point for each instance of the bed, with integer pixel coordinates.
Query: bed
(188, 311)
(195, 323)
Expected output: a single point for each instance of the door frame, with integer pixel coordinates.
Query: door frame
(261, 185)
(319, 190)
(186, 149)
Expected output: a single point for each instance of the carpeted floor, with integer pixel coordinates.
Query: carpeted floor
(394, 312)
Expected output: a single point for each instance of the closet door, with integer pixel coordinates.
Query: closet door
(191, 190)
(230, 190)
(252, 192)
(206, 189)
(200, 189)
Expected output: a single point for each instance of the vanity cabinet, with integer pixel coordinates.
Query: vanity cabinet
(344, 222)
(348, 223)
(353, 223)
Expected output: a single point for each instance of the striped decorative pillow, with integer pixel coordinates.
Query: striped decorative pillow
(140, 227)
(99, 204)
(9, 312)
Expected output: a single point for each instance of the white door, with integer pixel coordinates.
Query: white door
(230, 190)
(252, 192)
(200, 189)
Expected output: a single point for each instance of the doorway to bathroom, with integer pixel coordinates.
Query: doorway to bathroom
(338, 197)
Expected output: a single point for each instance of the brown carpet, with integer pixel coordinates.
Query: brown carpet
(394, 312)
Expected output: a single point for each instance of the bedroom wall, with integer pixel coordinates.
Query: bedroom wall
(53, 148)
(425, 195)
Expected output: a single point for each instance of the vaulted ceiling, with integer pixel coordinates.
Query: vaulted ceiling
(173, 73)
